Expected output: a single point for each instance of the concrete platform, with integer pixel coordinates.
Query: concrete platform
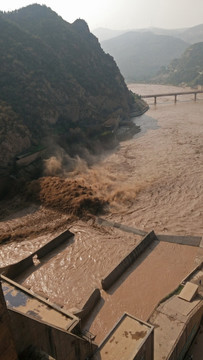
(171, 319)
(30, 305)
(189, 291)
(125, 339)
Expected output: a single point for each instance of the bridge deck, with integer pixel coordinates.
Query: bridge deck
(173, 94)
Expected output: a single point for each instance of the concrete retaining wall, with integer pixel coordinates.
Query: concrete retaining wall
(187, 335)
(122, 227)
(14, 270)
(25, 160)
(127, 261)
(176, 239)
(7, 348)
(52, 340)
(191, 274)
(182, 240)
(40, 298)
(90, 304)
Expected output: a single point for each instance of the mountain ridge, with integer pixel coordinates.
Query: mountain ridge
(187, 34)
(140, 55)
(58, 84)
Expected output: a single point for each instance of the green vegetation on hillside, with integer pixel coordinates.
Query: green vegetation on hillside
(188, 69)
(58, 84)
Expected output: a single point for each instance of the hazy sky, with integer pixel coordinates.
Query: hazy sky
(122, 14)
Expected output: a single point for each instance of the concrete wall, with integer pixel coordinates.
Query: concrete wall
(122, 227)
(28, 159)
(89, 304)
(149, 347)
(191, 274)
(142, 351)
(187, 335)
(14, 270)
(147, 350)
(7, 348)
(182, 240)
(127, 261)
(53, 341)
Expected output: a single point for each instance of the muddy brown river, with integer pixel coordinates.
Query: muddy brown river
(152, 182)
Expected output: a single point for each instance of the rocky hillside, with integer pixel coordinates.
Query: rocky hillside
(192, 35)
(57, 85)
(140, 55)
(188, 69)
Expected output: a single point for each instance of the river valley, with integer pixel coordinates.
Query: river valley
(152, 182)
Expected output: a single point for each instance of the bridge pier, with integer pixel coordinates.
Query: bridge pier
(155, 96)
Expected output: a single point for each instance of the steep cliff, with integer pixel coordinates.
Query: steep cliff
(57, 84)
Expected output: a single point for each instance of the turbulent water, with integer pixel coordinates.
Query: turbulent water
(166, 161)
(153, 181)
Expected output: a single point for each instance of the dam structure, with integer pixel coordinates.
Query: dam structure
(30, 320)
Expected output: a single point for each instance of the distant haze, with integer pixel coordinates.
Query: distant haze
(122, 14)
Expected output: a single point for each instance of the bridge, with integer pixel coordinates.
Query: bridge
(176, 94)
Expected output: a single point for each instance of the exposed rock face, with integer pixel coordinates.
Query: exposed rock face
(56, 83)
